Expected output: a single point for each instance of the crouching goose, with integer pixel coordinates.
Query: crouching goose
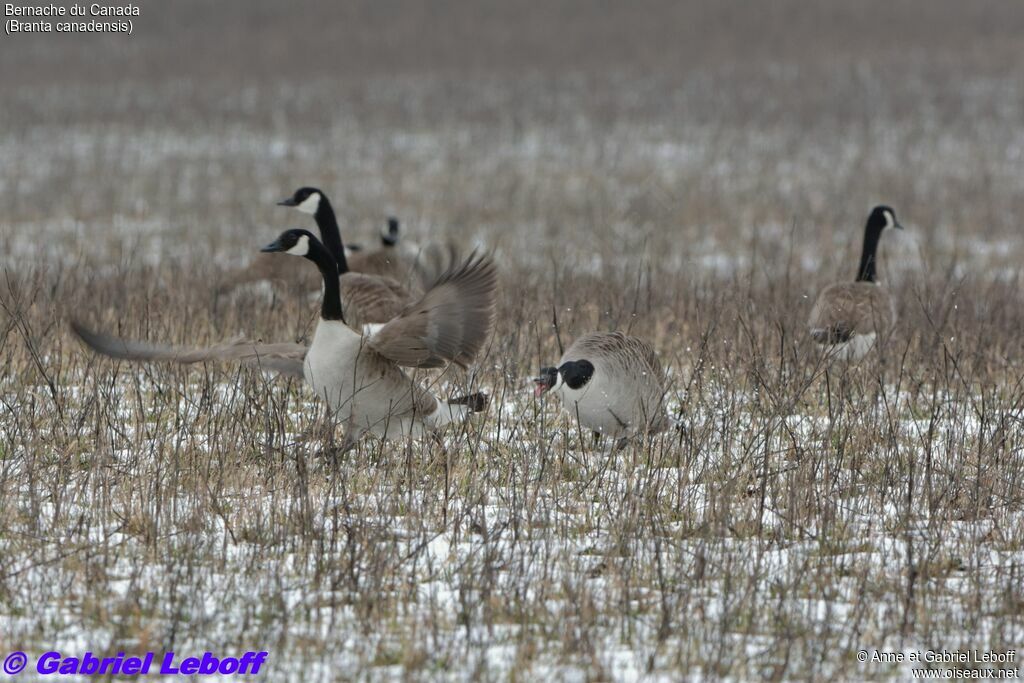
(848, 317)
(360, 376)
(613, 383)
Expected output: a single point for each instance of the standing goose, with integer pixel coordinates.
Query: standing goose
(848, 317)
(361, 377)
(368, 298)
(613, 382)
(408, 264)
(388, 261)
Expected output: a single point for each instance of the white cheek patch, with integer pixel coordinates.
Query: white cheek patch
(890, 221)
(301, 247)
(310, 204)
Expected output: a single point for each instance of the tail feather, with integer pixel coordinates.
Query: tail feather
(457, 409)
(475, 403)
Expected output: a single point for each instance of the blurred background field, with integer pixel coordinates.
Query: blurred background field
(691, 171)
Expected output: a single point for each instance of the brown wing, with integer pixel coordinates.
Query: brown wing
(371, 298)
(416, 266)
(846, 309)
(449, 324)
(285, 358)
(433, 259)
(386, 262)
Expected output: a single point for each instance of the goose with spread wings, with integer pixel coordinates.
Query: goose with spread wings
(361, 376)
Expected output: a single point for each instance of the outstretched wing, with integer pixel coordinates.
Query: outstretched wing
(449, 324)
(285, 358)
(433, 259)
(371, 298)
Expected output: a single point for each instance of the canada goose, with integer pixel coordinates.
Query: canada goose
(848, 317)
(367, 297)
(387, 261)
(407, 263)
(613, 382)
(361, 377)
(350, 258)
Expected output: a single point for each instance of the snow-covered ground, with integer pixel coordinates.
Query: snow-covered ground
(803, 515)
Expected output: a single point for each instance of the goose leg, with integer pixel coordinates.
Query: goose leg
(322, 430)
(352, 436)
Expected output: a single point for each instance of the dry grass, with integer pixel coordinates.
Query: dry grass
(694, 186)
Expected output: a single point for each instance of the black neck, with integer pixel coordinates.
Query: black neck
(866, 271)
(330, 234)
(330, 308)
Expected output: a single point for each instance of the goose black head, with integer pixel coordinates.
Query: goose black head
(305, 199)
(882, 217)
(295, 242)
(574, 374)
(389, 235)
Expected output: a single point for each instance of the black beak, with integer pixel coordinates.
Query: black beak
(274, 246)
(897, 226)
(288, 202)
(543, 383)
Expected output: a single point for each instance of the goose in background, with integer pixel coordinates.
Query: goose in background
(848, 317)
(350, 258)
(398, 259)
(612, 382)
(360, 376)
(368, 298)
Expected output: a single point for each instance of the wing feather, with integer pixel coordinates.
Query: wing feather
(285, 358)
(449, 324)
(372, 298)
(628, 352)
(844, 310)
